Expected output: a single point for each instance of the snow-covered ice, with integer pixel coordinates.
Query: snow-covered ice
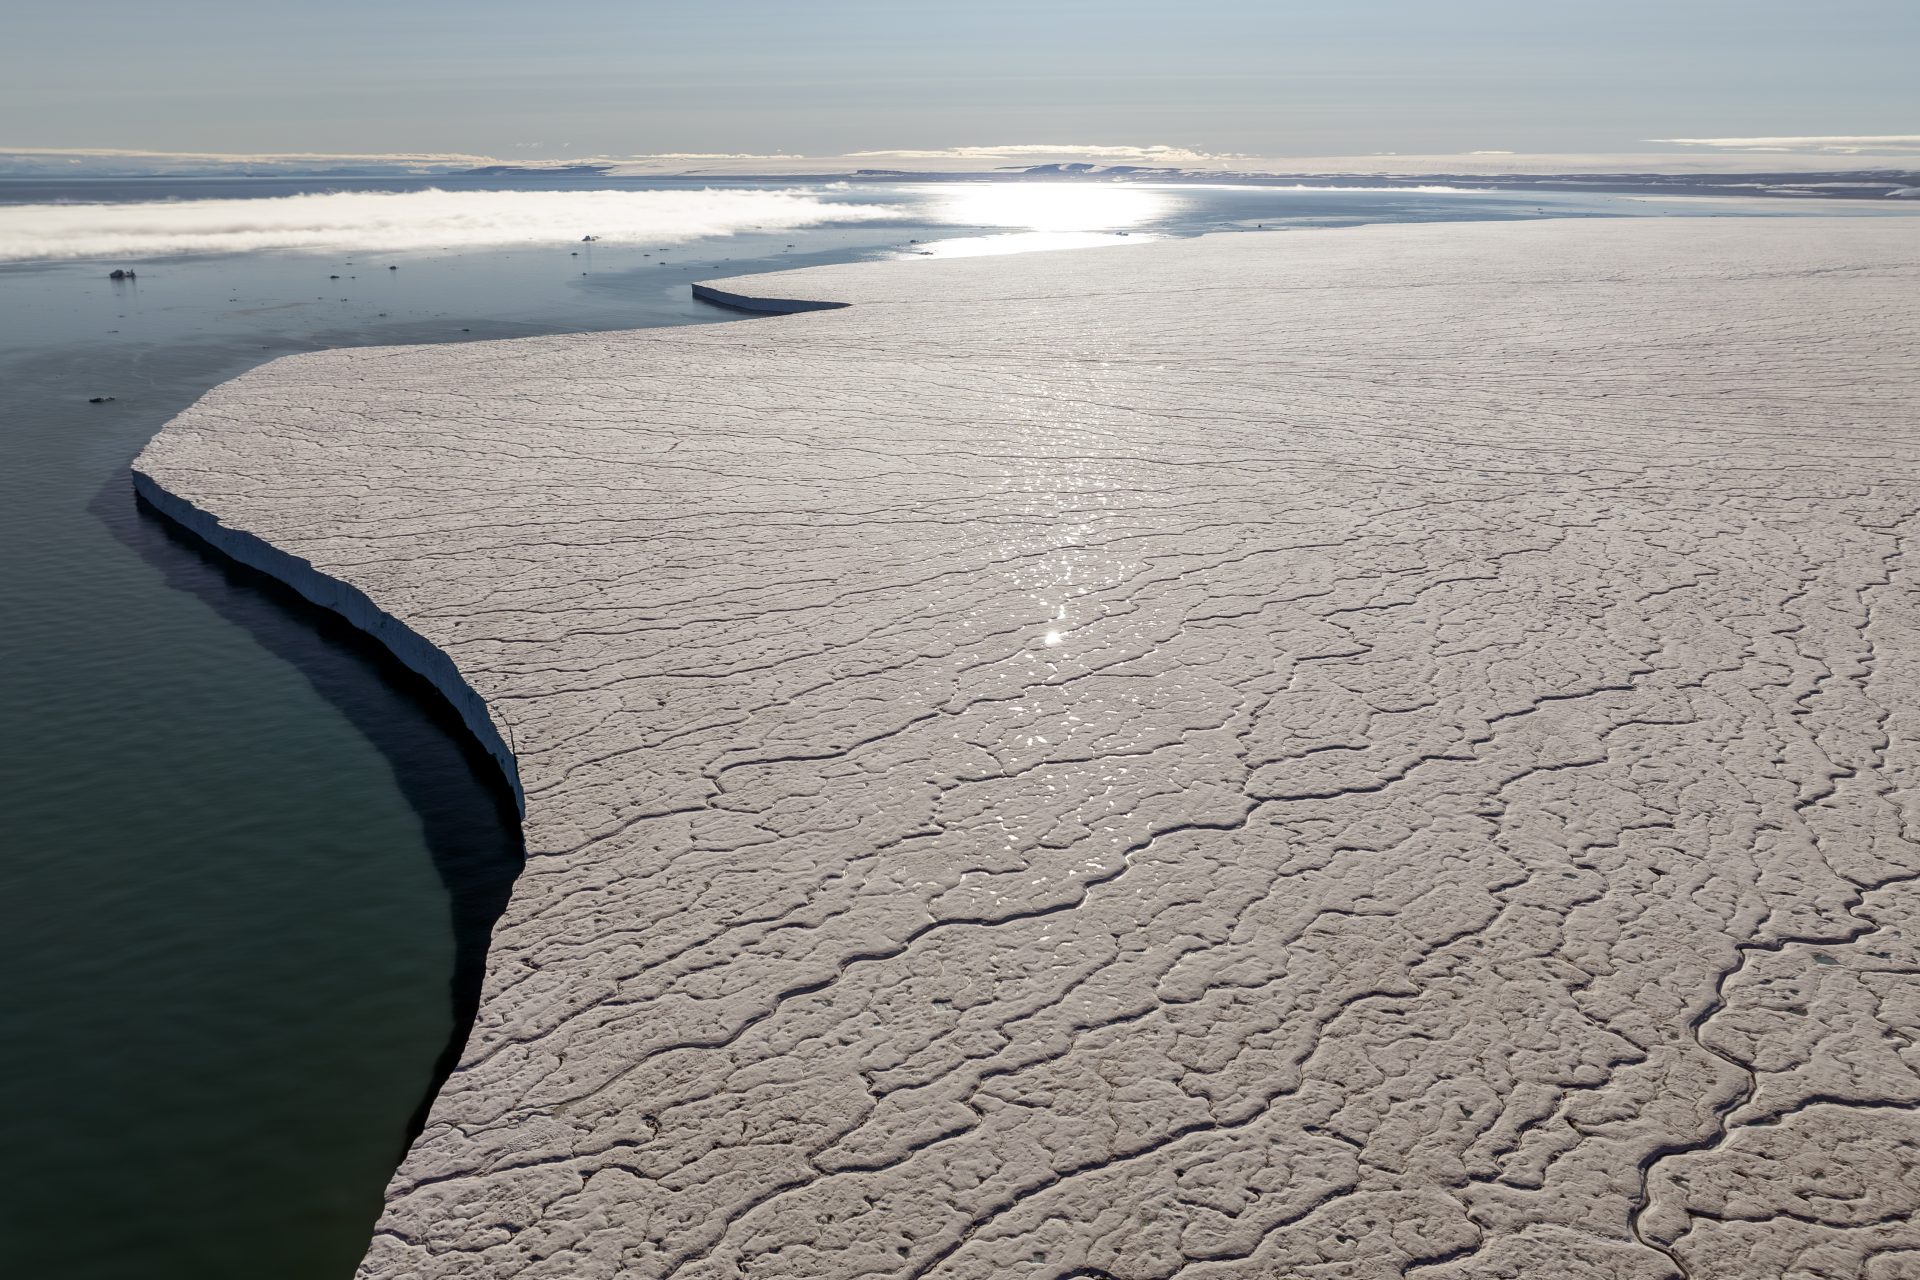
(1355, 753)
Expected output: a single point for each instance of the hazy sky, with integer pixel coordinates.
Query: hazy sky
(1264, 77)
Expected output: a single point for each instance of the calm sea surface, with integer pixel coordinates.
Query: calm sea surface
(249, 866)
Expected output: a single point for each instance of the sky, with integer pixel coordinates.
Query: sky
(828, 77)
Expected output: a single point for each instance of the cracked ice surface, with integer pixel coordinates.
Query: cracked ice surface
(1356, 753)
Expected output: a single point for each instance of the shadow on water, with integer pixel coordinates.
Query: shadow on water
(467, 813)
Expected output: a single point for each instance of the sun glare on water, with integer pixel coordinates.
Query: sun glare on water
(1051, 206)
(1018, 216)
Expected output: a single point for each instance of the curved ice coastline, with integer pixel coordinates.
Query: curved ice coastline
(413, 650)
(1370, 754)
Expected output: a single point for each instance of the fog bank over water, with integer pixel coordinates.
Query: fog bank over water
(383, 220)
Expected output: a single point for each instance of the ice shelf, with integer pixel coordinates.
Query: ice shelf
(1344, 753)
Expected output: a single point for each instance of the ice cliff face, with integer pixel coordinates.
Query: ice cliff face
(1360, 753)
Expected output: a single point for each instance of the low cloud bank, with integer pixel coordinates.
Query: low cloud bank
(396, 221)
(1845, 144)
(1160, 155)
(1810, 154)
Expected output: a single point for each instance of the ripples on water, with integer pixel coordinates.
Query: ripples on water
(249, 862)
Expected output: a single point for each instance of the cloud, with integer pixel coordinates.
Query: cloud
(1050, 150)
(707, 155)
(119, 162)
(1827, 153)
(47, 157)
(1884, 143)
(404, 220)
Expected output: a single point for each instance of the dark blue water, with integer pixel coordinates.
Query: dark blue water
(249, 864)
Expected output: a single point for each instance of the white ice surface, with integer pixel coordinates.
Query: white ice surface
(1354, 753)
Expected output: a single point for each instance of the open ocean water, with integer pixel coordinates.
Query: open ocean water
(249, 862)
